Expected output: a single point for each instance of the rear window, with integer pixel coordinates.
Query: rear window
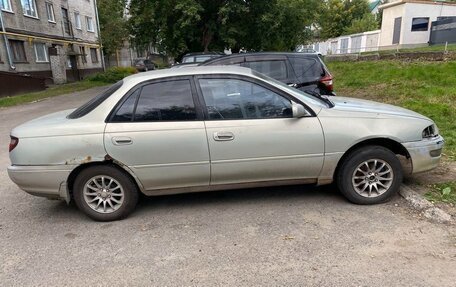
(95, 102)
(307, 69)
(273, 69)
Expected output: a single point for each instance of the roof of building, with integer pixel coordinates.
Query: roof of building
(374, 4)
(429, 2)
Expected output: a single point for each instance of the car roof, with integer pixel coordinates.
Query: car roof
(189, 71)
(238, 55)
(203, 53)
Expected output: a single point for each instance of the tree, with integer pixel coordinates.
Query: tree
(367, 23)
(113, 25)
(179, 26)
(337, 16)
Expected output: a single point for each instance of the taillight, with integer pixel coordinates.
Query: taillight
(13, 143)
(327, 80)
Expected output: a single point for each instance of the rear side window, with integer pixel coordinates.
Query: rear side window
(273, 69)
(126, 110)
(166, 101)
(307, 69)
(95, 102)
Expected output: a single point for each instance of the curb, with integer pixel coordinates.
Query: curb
(420, 203)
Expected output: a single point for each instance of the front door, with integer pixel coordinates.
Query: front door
(253, 137)
(158, 133)
(397, 30)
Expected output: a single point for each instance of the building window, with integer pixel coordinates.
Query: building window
(41, 52)
(29, 8)
(77, 20)
(6, 5)
(94, 55)
(83, 54)
(18, 51)
(66, 21)
(420, 24)
(50, 12)
(89, 22)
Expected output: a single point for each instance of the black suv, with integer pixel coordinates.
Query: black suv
(303, 71)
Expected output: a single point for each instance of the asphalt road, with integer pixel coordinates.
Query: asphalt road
(278, 236)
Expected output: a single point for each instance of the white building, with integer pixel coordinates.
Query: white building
(407, 23)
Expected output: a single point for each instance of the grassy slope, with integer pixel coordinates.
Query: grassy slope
(425, 87)
(50, 92)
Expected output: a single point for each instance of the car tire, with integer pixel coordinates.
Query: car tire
(370, 175)
(105, 193)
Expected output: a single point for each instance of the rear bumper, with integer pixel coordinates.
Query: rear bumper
(45, 181)
(425, 154)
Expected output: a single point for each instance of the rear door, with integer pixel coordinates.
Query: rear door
(158, 132)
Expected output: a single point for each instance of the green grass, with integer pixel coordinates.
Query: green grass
(442, 192)
(428, 88)
(50, 92)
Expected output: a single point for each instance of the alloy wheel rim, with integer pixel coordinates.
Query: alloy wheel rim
(103, 194)
(372, 178)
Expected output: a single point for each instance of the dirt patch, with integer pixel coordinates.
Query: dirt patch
(421, 182)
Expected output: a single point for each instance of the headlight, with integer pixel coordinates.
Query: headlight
(430, 132)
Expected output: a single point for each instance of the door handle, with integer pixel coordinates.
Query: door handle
(223, 136)
(122, 141)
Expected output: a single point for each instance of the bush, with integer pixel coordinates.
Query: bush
(113, 75)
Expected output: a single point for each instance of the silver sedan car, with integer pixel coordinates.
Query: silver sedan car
(211, 128)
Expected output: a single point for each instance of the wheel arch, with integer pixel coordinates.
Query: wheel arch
(396, 147)
(75, 172)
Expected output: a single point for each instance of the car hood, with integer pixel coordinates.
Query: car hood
(353, 105)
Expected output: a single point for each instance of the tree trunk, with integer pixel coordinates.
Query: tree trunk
(207, 38)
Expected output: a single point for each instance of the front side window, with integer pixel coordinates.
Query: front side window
(273, 69)
(166, 101)
(89, 22)
(6, 5)
(77, 20)
(29, 8)
(41, 54)
(231, 99)
(18, 51)
(50, 12)
(420, 24)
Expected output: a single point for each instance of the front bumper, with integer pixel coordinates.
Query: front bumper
(425, 154)
(45, 181)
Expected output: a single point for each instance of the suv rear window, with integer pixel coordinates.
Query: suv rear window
(273, 69)
(307, 69)
(95, 102)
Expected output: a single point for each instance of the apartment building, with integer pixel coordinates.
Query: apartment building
(53, 39)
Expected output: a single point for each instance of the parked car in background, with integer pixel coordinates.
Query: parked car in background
(306, 72)
(211, 128)
(144, 65)
(199, 57)
(302, 49)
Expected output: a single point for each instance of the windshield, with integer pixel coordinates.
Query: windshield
(95, 102)
(308, 97)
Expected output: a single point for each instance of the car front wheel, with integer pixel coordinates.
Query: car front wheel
(105, 193)
(370, 175)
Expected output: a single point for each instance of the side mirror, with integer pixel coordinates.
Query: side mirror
(299, 111)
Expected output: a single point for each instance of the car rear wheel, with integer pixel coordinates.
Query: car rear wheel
(370, 175)
(105, 193)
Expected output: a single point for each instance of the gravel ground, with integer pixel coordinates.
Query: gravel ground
(270, 236)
